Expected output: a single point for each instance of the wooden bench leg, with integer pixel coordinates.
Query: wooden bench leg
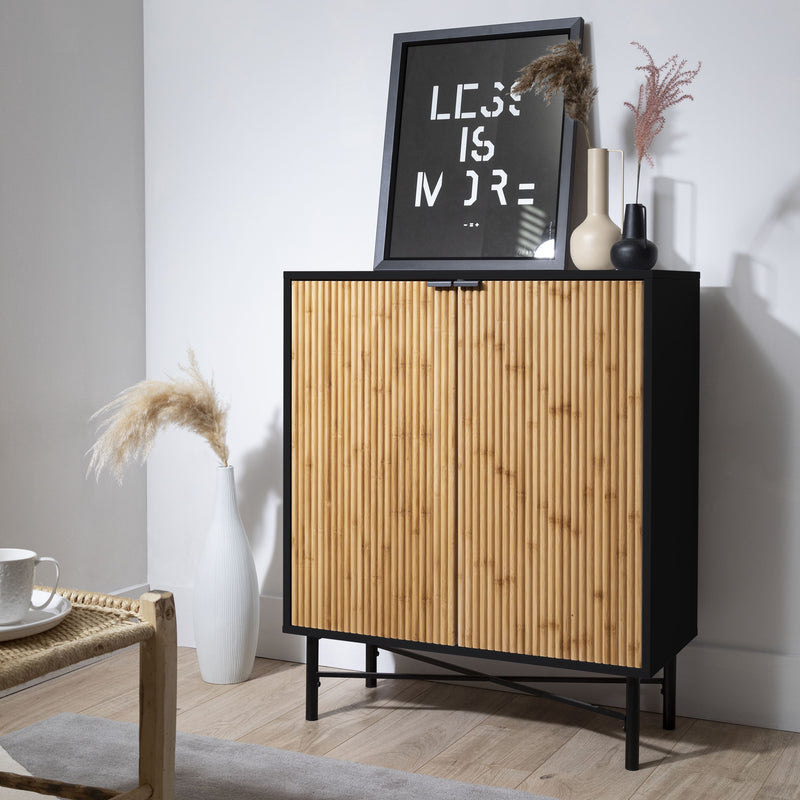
(158, 681)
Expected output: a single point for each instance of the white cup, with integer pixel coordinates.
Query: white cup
(16, 583)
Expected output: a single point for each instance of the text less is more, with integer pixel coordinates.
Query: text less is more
(475, 147)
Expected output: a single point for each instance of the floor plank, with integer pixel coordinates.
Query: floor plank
(735, 756)
(74, 692)
(476, 735)
(783, 783)
(233, 711)
(431, 721)
(345, 709)
(591, 763)
(503, 749)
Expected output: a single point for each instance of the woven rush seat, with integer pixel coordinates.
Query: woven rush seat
(97, 624)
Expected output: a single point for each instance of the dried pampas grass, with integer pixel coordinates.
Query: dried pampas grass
(137, 414)
(564, 69)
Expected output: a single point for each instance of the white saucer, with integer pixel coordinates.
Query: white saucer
(36, 621)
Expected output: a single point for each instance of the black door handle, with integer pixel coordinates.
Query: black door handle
(459, 283)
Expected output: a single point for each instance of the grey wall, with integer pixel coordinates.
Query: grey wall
(71, 278)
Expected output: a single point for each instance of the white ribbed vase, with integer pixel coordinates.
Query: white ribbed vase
(226, 593)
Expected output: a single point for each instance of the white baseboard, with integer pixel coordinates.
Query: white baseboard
(272, 642)
(132, 591)
(739, 686)
(714, 683)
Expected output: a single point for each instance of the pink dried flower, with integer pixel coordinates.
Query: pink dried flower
(662, 88)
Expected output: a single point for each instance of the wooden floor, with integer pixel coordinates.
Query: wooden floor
(467, 734)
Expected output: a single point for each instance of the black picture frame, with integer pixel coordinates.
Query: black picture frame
(472, 177)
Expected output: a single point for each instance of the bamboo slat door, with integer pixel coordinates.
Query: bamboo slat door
(467, 465)
(550, 469)
(373, 459)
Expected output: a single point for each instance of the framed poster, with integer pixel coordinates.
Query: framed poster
(474, 177)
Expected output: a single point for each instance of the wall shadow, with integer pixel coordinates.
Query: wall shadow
(673, 222)
(786, 206)
(260, 495)
(748, 393)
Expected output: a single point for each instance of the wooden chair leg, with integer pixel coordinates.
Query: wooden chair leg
(158, 681)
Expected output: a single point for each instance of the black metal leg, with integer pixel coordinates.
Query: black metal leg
(632, 687)
(372, 665)
(668, 689)
(312, 678)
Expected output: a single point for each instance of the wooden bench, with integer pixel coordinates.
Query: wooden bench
(96, 625)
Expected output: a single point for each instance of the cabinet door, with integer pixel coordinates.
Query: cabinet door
(373, 459)
(550, 469)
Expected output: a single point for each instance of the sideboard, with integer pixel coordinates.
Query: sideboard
(501, 465)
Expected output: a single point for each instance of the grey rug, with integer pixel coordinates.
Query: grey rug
(88, 750)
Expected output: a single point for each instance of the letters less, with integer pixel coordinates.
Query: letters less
(474, 145)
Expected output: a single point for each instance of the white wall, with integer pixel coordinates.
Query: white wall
(72, 278)
(264, 131)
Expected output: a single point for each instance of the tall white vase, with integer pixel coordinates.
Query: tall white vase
(590, 243)
(226, 605)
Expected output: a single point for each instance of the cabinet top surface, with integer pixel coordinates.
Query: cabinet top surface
(491, 275)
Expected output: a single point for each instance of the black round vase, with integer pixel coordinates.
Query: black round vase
(634, 250)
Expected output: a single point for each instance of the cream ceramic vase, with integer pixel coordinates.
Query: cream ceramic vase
(226, 595)
(590, 243)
